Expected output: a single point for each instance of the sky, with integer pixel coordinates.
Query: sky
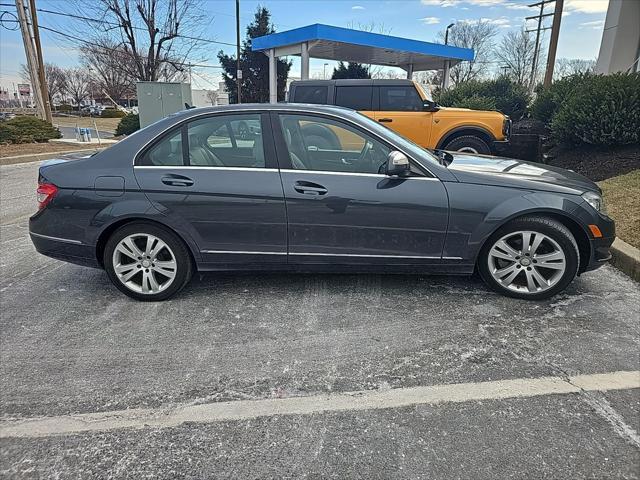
(580, 34)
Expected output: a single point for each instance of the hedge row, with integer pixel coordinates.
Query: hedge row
(27, 130)
(501, 94)
(592, 109)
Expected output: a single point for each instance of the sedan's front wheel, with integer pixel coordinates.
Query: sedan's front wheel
(530, 258)
(147, 262)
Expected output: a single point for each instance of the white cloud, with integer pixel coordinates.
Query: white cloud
(357, 7)
(517, 6)
(596, 24)
(587, 6)
(502, 22)
(441, 3)
(430, 20)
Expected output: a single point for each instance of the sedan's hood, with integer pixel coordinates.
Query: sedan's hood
(472, 168)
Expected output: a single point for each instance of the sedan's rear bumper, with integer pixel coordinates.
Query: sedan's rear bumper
(68, 250)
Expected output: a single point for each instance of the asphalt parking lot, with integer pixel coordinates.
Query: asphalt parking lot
(323, 376)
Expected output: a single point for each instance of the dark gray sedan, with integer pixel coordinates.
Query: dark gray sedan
(313, 188)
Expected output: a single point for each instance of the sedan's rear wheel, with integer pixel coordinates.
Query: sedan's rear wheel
(532, 258)
(147, 262)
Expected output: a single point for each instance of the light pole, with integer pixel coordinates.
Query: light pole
(238, 71)
(324, 71)
(447, 63)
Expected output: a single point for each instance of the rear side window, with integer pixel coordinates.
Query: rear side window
(166, 153)
(400, 99)
(358, 98)
(311, 94)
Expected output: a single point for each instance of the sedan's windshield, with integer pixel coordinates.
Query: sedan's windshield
(404, 143)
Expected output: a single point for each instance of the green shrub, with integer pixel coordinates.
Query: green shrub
(27, 130)
(112, 113)
(548, 100)
(602, 110)
(65, 108)
(130, 123)
(504, 95)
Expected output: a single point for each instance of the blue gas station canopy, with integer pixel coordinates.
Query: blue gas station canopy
(336, 43)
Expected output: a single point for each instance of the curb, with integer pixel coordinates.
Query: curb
(36, 157)
(626, 257)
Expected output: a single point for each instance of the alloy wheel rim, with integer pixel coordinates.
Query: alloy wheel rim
(144, 263)
(527, 262)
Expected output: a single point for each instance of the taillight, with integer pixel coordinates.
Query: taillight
(45, 193)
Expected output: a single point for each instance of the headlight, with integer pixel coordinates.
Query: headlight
(595, 201)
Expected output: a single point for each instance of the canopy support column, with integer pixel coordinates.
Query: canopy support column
(273, 76)
(304, 61)
(410, 71)
(445, 75)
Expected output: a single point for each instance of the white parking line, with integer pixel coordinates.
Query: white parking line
(362, 400)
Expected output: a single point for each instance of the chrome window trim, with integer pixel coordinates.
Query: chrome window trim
(241, 169)
(56, 239)
(377, 175)
(252, 110)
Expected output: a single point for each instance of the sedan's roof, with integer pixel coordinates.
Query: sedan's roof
(265, 107)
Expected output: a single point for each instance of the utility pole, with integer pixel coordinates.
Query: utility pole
(32, 63)
(553, 45)
(536, 51)
(238, 71)
(41, 76)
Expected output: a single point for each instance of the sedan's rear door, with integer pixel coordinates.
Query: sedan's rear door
(218, 181)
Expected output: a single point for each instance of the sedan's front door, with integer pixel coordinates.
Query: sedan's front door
(218, 180)
(341, 209)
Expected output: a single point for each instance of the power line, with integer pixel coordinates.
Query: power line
(80, 17)
(73, 37)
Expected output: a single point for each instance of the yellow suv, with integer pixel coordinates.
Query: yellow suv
(403, 106)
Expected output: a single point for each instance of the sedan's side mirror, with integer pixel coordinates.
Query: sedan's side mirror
(398, 164)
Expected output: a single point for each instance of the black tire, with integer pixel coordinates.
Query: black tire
(547, 226)
(184, 264)
(468, 144)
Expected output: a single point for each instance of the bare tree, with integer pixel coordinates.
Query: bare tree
(516, 52)
(111, 68)
(77, 85)
(54, 76)
(572, 66)
(478, 35)
(158, 36)
(212, 97)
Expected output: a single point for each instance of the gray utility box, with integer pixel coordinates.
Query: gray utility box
(156, 100)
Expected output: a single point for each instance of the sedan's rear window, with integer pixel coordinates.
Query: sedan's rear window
(166, 153)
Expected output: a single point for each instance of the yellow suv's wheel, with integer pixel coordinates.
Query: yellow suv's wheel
(468, 144)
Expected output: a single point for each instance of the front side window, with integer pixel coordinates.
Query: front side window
(166, 153)
(356, 97)
(322, 144)
(400, 99)
(226, 141)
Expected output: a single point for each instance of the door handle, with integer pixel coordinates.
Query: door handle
(385, 120)
(309, 188)
(177, 181)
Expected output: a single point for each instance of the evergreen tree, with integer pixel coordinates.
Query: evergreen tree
(254, 65)
(351, 70)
